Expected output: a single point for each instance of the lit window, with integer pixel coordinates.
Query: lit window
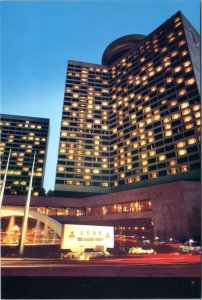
(153, 175)
(188, 69)
(166, 120)
(105, 166)
(172, 163)
(141, 124)
(173, 103)
(14, 154)
(151, 140)
(181, 43)
(186, 112)
(15, 182)
(23, 182)
(158, 69)
(147, 109)
(146, 98)
(177, 19)
(75, 95)
(25, 169)
(182, 92)
(196, 107)
(145, 170)
(184, 52)
(187, 63)
(192, 141)
(69, 182)
(144, 162)
(144, 155)
(178, 24)
(130, 180)
(172, 171)
(177, 69)
(182, 152)
(142, 143)
(162, 157)
(163, 49)
(187, 118)
(133, 116)
(87, 177)
(63, 133)
(188, 126)
(190, 81)
(180, 144)
(61, 169)
(135, 145)
(180, 80)
(197, 114)
(62, 151)
(65, 123)
(96, 171)
(174, 53)
(104, 184)
(169, 79)
(184, 105)
(183, 168)
(153, 89)
(152, 153)
(175, 116)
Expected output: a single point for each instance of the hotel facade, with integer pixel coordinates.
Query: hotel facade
(133, 121)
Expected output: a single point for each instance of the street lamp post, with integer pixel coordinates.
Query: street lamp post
(26, 212)
(5, 176)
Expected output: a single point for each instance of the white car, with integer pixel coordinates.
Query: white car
(86, 255)
(191, 246)
(139, 250)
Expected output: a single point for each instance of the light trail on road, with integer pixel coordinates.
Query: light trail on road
(137, 266)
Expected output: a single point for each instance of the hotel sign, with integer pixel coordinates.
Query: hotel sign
(87, 236)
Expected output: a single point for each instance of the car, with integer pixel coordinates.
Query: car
(86, 255)
(191, 246)
(139, 250)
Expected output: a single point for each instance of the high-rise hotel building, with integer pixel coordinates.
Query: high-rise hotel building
(133, 121)
(23, 135)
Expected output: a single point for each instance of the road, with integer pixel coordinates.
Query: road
(159, 265)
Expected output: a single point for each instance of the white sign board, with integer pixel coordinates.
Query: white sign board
(87, 236)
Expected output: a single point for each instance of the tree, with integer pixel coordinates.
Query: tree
(41, 191)
(50, 193)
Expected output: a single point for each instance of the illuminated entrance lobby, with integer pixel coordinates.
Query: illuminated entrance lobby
(168, 210)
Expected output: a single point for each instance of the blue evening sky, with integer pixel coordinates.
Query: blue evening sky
(38, 37)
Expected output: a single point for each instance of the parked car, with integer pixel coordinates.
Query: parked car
(86, 255)
(191, 246)
(139, 250)
(174, 244)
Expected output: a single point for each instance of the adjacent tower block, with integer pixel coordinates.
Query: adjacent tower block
(24, 136)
